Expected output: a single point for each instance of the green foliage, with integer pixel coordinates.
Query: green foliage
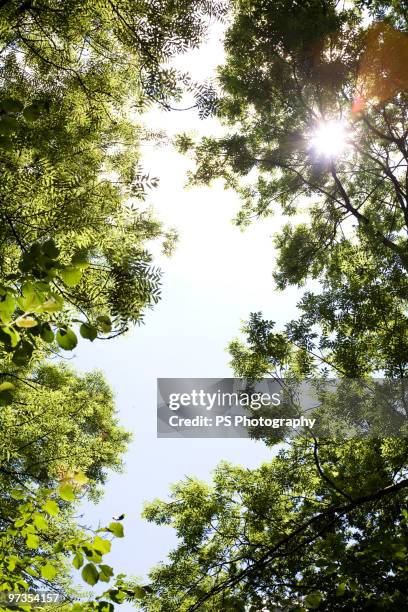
(354, 327)
(283, 536)
(31, 523)
(72, 234)
(324, 524)
(116, 529)
(289, 68)
(75, 77)
(59, 432)
(59, 423)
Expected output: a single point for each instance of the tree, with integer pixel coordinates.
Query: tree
(75, 76)
(320, 525)
(293, 75)
(60, 430)
(324, 524)
(302, 72)
(291, 72)
(39, 566)
(58, 424)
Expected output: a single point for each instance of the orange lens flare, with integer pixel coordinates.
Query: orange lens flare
(383, 71)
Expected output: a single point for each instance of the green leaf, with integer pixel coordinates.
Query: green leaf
(341, 589)
(40, 521)
(80, 478)
(7, 307)
(101, 545)
(92, 555)
(105, 606)
(59, 547)
(139, 591)
(50, 249)
(90, 574)
(48, 571)
(80, 260)
(20, 522)
(117, 596)
(104, 323)
(71, 275)
(106, 573)
(22, 354)
(313, 600)
(32, 540)
(13, 335)
(66, 493)
(66, 339)
(26, 321)
(116, 529)
(12, 563)
(51, 507)
(31, 297)
(54, 303)
(78, 560)
(17, 494)
(88, 331)
(6, 398)
(6, 386)
(47, 334)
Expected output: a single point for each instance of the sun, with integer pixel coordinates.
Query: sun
(329, 139)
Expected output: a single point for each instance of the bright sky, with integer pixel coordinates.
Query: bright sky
(217, 276)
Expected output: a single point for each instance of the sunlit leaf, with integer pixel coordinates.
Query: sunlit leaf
(116, 529)
(66, 492)
(32, 540)
(66, 339)
(51, 507)
(26, 322)
(71, 275)
(48, 571)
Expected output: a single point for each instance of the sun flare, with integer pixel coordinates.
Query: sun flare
(329, 139)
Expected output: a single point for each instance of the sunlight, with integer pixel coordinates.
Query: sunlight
(330, 139)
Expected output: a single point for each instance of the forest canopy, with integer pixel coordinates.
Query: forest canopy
(75, 80)
(313, 98)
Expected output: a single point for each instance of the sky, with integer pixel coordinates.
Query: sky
(216, 277)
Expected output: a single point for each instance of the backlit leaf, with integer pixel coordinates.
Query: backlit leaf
(90, 574)
(66, 339)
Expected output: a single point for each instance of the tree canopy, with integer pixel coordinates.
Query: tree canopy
(60, 423)
(324, 524)
(291, 72)
(75, 79)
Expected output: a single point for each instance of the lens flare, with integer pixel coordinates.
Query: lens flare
(329, 139)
